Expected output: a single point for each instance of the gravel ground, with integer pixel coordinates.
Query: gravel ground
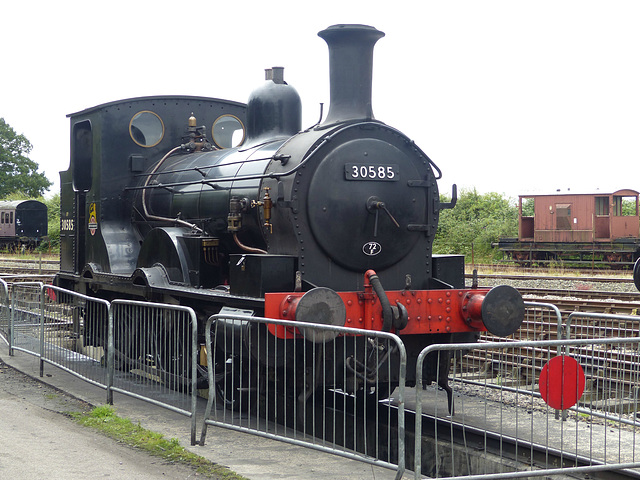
(559, 283)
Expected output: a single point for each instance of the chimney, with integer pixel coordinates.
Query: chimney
(350, 71)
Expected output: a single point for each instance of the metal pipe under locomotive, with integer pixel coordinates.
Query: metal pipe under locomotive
(333, 224)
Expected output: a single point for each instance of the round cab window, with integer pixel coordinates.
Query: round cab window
(228, 131)
(146, 129)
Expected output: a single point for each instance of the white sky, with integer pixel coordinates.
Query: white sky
(505, 96)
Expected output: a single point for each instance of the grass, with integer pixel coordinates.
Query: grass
(123, 430)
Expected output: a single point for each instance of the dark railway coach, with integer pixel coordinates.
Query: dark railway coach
(581, 228)
(216, 204)
(23, 223)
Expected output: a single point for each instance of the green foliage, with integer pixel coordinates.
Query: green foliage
(475, 222)
(629, 206)
(53, 211)
(528, 207)
(18, 173)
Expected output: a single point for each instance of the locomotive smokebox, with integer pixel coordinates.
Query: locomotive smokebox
(350, 71)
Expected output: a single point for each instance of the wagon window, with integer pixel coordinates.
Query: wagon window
(146, 129)
(2, 217)
(602, 206)
(563, 216)
(10, 217)
(625, 206)
(528, 207)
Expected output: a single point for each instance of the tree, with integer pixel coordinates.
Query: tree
(474, 223)
(18, 173)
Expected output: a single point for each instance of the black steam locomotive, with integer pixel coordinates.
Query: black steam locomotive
(216, 204)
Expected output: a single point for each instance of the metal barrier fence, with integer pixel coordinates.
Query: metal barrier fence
(154, 349)
(151, 349)
(612, 375)
(505, 425)
(72, 329)
(312, 385)
(542, 321)
(265, 379)
(5, 310)
(24, 323)
(599, 325)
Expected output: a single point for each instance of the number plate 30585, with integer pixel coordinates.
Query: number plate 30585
(363, 171)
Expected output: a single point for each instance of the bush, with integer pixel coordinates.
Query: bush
(52, 245)
(476, 222)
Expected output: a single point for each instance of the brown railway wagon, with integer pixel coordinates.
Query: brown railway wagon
(577, 228)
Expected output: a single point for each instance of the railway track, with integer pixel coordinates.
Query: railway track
(595, 294)
(586, 279)
(549, 270)
(619, 303)
(567, 299)
(16, 269)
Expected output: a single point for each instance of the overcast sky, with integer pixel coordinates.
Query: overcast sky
(505, 96)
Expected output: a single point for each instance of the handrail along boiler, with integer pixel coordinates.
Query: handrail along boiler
(333, 224)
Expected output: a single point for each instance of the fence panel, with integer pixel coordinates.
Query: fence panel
(73, 332)
(612, 375)
(543, 321)
(314, 386)
(600, 325)
(494, 407)
(152, 355)
(24, 323)
(5, 310)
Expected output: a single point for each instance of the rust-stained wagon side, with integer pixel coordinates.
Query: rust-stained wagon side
(587, 228)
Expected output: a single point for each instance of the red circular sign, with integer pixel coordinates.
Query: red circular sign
(561, 382)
